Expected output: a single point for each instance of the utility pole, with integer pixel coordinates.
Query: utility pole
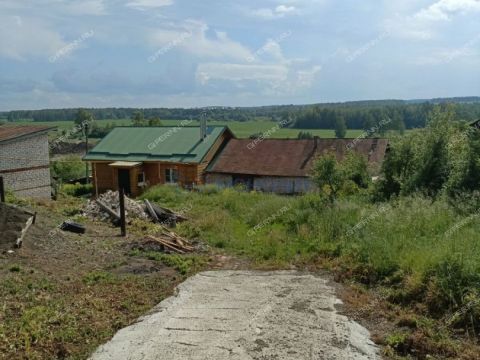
(85, 127)
(2, 190)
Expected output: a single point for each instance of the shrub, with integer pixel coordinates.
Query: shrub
(208, 189)
(450, 284)
(68, 168)
(77, 189)
(441, 158)
(346, 176)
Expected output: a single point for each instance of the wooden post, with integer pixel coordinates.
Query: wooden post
(2, 190)
(86, 152)
(121, 193)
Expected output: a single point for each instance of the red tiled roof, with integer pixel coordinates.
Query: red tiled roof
(8, 132)
(285, 157)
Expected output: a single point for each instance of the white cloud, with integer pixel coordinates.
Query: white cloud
(240, 72)
(284, 9)
(27, 37)
(148, 4)
(192, 37)
(443, 9)
(279, 11)
(265, 79)
(87, 7)
(423, 24)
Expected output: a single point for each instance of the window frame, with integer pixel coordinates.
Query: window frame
(171, 176)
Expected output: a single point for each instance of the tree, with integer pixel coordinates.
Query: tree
(138, 118)
(69, 168)
(327, 176)
(440, 158)
(331, 176)
(304, 135)
(340, 127)
(154, 121)
(83, 117)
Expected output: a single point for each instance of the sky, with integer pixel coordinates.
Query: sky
(195, 53)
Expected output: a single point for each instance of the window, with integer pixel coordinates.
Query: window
(141, 178)
(171, 176)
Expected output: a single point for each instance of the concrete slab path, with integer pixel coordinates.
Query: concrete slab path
(244, 315)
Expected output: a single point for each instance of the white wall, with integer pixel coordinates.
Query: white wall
(26, 153)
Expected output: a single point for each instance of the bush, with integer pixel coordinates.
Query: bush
(441, 158)
(69, 168)
(77, 190)
(208, 189)
(347, 176)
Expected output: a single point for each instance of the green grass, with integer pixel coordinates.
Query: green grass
(402, 247)
(240, 129)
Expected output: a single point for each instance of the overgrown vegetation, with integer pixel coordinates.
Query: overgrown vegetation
(413, 236)
(77, 189)
(68, 168)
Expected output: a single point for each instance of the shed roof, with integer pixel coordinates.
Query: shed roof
(162, 143)
(285, 157)
(8, 132)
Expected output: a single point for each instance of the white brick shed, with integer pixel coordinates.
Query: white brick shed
(283, 165)
(24, 160)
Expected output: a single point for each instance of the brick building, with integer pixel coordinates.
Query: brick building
(24, 160)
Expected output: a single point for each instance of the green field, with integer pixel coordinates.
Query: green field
(240, 129)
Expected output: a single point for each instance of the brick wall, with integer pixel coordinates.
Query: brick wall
(274, 184)
(24, 165)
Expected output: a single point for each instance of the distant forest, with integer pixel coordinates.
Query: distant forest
(399, 114)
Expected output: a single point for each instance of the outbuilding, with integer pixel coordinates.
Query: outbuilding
(24, 160)
(283, 165)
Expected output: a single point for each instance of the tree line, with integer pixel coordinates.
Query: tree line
(352, 115)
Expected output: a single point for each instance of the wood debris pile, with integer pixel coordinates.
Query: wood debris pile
(107, 207)
(171, 242)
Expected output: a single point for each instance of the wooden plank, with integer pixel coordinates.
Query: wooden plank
(167, 244)
(151, 211)
(121, 195)
(108, 210)
(29, 223)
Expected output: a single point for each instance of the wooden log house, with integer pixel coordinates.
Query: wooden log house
(140, 157)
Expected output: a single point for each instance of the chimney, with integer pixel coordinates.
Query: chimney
(203, 128)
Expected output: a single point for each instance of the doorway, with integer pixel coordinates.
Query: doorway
(124, 180)
(243, 180)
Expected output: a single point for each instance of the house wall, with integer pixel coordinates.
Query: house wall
(105, 177)
(25, 166)
(200, 176)
(221, 180)
(283, 185)
(273, 184)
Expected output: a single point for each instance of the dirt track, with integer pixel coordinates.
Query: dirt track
(244, 315)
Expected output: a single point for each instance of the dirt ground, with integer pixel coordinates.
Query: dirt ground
(12, 221)
(62, 294)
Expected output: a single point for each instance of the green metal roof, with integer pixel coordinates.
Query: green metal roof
(163, 143)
